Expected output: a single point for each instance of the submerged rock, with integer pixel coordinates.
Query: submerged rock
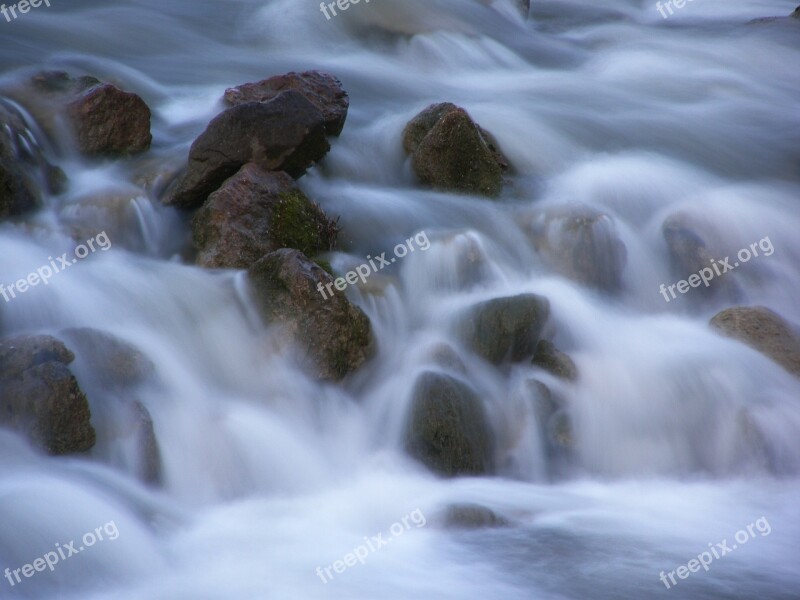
(40, 397)
(335, 335)
(472, 516)
(552, 360)
(582, 244)
(286, 133)
(450, 152)
(505, 329)
(256, 212)
(321, 89)
(25, 174)
(112, 369)
(764, 330)
(448, 429)
(104, 120)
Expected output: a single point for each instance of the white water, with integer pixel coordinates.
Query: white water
(268, 475)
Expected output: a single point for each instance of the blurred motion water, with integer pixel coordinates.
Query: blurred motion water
(603, 108)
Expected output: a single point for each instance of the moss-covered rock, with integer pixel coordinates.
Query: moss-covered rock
(256, 212)
(450, 152)
(472, 516)
(505, 329)
(333, 335)
(448, 429)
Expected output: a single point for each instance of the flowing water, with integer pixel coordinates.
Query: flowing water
(268, 474)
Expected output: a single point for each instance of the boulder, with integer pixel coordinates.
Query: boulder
(286, 133)
(110, 122)
(25, 173)
(582, 244)
(552, 360)
(472, 516)
(105, 121)
(505, 329)
(256, 212)
(40, 397)
(321, 89)
(765, 331)
(113, 362)
(448, 429)
(111, 369)
(689, 253)
(334, 335)
(450, 152)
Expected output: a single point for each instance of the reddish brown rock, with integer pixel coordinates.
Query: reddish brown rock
(256, 212)
(286, 133)
(321, 89)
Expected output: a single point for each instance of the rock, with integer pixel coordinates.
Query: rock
(689, 253)
(321, 89)
(111, 369)
(472, 516)
(552, 360)
(451, 153)
(448, 429)
(112, 362)
(40, 397)
(25, 174)
(256, 212)
(582, 244)
(104, 120)
(109, 122)
(792, 19)
(286, 133)
(765, 331)
(506, 329)
(335, 336)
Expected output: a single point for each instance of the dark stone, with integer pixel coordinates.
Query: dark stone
(472, 516)
(450, 152)
(286, 133)
(321, 89)
(256, 212)
(333, 334)
(40, 397)
(552, 360)
(506, 329)
(448, 429)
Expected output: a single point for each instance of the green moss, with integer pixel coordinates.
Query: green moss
(299, 223)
